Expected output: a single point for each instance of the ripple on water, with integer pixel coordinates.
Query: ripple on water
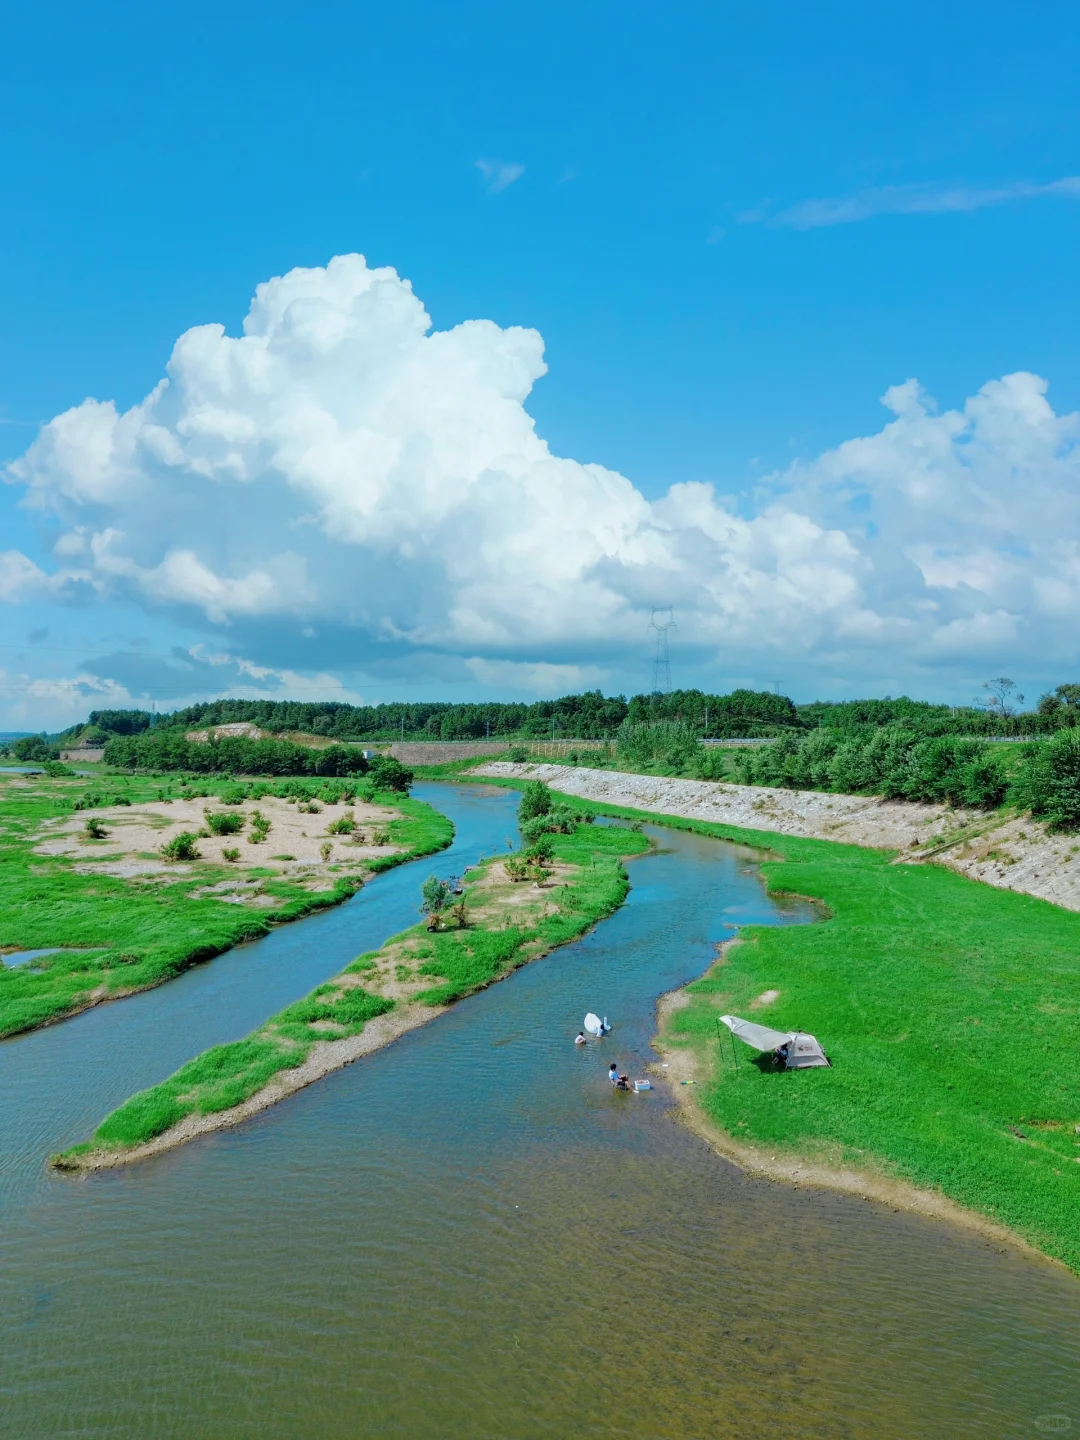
(469, 1234)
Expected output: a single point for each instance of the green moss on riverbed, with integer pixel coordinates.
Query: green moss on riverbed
(501, 936)
(132, 935)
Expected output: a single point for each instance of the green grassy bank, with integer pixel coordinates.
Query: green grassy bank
(950, 1011)
(507, 927)
(135, 935)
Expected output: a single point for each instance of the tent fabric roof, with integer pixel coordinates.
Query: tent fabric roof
(759, 1037)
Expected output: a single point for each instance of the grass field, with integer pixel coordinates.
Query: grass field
(509, 926)
(133, 935)
(950, 1011)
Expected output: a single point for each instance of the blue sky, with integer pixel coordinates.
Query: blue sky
(734, 230)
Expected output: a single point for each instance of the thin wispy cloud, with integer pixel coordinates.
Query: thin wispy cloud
(909, 200)
(499, 174)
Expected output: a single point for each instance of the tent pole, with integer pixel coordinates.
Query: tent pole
(720, 1038)
(720, 1041)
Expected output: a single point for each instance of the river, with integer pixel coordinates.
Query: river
(469, 1234)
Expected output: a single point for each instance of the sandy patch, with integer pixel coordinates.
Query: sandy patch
(1009, 852)
(244, 729)
(130, 869)
(138, 832)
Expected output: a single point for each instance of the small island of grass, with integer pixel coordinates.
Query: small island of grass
(513, 908)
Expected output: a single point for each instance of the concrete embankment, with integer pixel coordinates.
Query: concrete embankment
(1008, 851)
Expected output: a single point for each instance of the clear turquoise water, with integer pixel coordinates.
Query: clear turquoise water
(469, 1234)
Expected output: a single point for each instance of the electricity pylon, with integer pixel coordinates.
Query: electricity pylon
(662, 664)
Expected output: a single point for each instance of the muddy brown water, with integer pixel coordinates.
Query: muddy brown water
(470, 1235)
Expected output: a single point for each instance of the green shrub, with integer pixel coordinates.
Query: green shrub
(390, 774)
(435, 896)
(1048, 782)
(231, 854)
(541, 851)
(181, 847)
(535, 801)
(94, 829)
(983, 783)
(334, 792)
(533, 829)
(260, 828)
(343, 825)
(223, 824)
(99, 800)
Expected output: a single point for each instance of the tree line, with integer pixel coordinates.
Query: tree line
(1041, 776)
(741, 713)
(164, 750)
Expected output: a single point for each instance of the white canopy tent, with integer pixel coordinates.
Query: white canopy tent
(802, 1051)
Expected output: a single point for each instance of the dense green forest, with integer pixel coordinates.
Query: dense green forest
(750, 714)
(589, 716)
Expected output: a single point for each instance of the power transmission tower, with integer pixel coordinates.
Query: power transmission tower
(661, 683)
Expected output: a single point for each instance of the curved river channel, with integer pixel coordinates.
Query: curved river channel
(470, 1235)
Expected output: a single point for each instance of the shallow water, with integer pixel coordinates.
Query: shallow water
(15, 958)
(469, 1234)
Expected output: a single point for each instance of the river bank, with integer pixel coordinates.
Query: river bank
(949, 1009)
(1005, 850)
(86, 876)
(689, 1068)
(379, 997)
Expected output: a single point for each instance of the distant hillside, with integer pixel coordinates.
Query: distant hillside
(588, 716)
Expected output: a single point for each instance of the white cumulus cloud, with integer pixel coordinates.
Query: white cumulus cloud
(341, 467)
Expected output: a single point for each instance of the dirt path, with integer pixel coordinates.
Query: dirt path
(1008, 851)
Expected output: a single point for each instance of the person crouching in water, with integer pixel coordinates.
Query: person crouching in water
(613, 1073)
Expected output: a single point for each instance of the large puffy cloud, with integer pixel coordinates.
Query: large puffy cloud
(969, 518)
(342, 468)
